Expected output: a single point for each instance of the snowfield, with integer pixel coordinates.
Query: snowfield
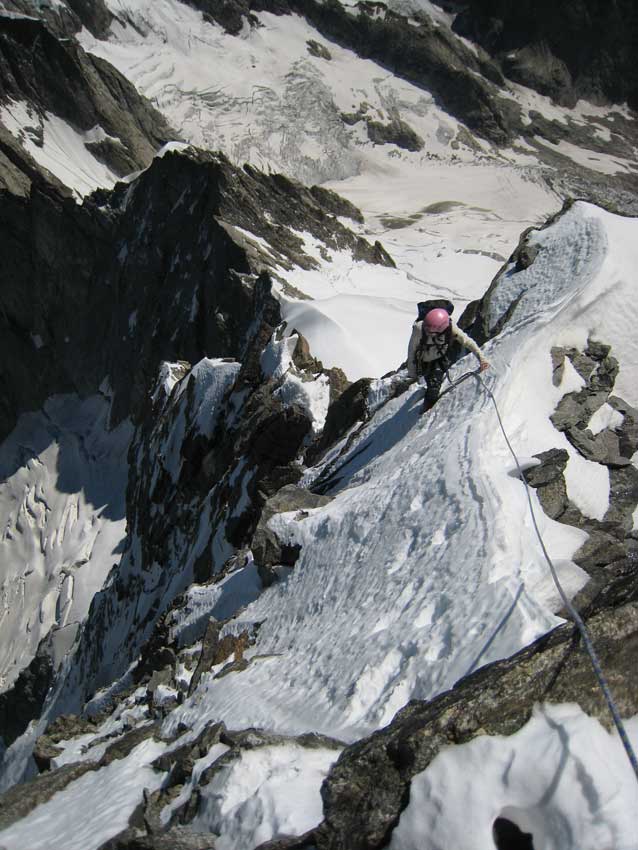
(62, 518)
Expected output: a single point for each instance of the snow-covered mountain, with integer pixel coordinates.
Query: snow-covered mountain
(233, 548)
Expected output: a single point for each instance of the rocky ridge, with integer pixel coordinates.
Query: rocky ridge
(38, 68)
(227, 354)
(368, 787)
(192, 285)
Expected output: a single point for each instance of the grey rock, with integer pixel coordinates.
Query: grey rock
(583, 364)
(368, 786)
(63, 728)
(597, 350)
(250, 739)
(605, 375)
(266, 547)
(599, 550)
(126, 744)
(569, 412)
(175, 838)
(628, 430)
(396, 132)
(551, 468)
(603, 448)
(525, 254)
(623, 496)
(549, 482)
(558, 364)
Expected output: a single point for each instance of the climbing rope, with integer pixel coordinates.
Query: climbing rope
(580, 625)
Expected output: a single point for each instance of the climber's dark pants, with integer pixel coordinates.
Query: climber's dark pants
(434, 372)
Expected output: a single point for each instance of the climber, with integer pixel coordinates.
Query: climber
(432, 334)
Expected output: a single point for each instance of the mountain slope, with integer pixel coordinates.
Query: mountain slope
(227, 567)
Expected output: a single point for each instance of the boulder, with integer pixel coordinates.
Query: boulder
(266, 547)
(549, 482)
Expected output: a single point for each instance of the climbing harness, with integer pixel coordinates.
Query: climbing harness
(580, 625)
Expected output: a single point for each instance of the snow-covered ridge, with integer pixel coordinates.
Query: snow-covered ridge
(395, 539)
(421, 567)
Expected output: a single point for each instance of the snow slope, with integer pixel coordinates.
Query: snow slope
(425, 565)
(58, 147)
(62, 516)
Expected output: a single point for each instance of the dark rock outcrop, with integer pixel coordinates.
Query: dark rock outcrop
(577, 48)
(41, 69)
(396, 132)
(268, 550)
(23, 702)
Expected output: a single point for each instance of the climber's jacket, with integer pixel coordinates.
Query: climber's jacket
(426, 347)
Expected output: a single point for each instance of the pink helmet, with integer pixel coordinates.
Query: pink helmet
(436, 321)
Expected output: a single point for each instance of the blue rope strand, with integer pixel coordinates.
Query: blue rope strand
(580, 625)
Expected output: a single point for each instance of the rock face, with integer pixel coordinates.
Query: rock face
(578, 48)
(39, 69)
(69, 266)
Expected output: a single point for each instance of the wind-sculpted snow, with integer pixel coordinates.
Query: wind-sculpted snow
(570, 256)
(62, 513)
(425, 565)
(586, 804)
